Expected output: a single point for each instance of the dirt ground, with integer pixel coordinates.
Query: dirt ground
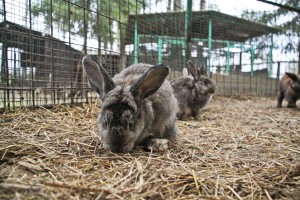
(242, 148)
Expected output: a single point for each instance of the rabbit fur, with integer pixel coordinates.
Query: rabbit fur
(288, 89)
(138, 106)
(193, 92)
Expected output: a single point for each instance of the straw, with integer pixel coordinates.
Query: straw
(242, 148)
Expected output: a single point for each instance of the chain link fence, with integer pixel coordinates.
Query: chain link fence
(42, 43)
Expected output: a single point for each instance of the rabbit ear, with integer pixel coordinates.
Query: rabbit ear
(294, 77)
(97, 76)
(193, 70)
(202, 69)
(150, 82)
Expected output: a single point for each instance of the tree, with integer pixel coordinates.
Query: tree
(120, 13)
(84, 17)
(94, 18)
(287, 21)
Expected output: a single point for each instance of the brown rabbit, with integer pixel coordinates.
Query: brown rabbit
(288, 89)
(193, 93)
(138, 106)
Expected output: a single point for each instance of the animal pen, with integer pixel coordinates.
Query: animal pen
(242, 148)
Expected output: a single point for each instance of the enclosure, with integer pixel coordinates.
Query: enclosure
(246, 50)
(242, 147)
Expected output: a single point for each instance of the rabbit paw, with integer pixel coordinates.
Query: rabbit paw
(158, 144)
(197, 118)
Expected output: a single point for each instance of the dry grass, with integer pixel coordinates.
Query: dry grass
(243, 148)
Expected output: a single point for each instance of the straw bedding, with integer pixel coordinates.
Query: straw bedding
(242, 148)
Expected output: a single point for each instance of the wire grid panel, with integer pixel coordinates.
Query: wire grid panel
(43, 42)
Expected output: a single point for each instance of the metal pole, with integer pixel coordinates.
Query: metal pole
(52, 56)
(31, 54)
(252, 60)
(159, 50)
(227, 58)
(278, 71)
(4, 63)
(299, 56)
(270, 70)
(209, 43)
(277, 75)
(187, 29)
(136, 43)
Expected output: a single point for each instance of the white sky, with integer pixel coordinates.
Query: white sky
(235, 7)
(231, 7)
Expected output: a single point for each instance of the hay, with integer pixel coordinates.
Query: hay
(243, 148)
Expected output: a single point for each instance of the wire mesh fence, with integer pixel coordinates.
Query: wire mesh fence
(43, 41)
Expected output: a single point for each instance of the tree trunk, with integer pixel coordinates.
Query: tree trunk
(203, 5)
(81, 81)
(123, 57)
(99, 32)
(299, 56)
(4, 67)
(169, 8)
(85, 25)
(177, 5)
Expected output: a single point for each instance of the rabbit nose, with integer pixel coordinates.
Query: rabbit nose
(211, 91)
(118, 132)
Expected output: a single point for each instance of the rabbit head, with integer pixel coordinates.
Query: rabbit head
(128, 107)
(295, 84)
(203, 84)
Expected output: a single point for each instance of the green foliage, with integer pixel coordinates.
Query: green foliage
(74, 15)
(277, 18)
(287, 21)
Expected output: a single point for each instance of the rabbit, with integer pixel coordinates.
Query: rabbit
(193, 93)
(288, 89)
(138, 106)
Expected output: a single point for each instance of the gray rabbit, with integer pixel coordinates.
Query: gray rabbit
(193, 93)
(138, 106)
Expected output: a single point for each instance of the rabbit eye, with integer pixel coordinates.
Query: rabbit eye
(130, 124)
(127, 124)
(105, 124)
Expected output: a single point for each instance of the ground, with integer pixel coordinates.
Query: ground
(241, 148)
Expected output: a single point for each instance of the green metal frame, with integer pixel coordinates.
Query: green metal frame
(209, 43)
(160, 46)
(185, 42)
(228, 58)
(252, 60)
(136, 44)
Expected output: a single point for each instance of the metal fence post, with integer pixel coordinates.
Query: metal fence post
(252, 60)
(270, 66)
(159, 50)
(228, 58)
(187, 29)
(136, 43)
(209, 43)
